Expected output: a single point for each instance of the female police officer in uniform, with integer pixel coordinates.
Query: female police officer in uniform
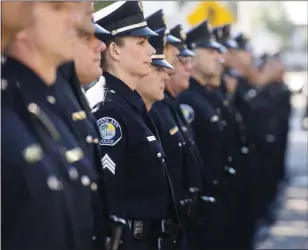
(138, 184)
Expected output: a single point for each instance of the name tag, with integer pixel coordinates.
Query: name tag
(80, 115)
(151, 138)
(174, 130)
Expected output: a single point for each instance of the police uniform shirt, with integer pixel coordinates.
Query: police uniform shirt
(46, 202)
(83, 125)
(182, 167)
(133, 158)
(207, 125)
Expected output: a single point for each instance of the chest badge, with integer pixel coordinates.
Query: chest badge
(110, 131)
(188, 112)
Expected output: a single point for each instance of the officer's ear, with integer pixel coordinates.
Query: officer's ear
(114, 51)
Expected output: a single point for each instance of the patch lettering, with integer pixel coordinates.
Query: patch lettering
(110, 131)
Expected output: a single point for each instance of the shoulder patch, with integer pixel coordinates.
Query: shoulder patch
(110, 131)
(188, 112)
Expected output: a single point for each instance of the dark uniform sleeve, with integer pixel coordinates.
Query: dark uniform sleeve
(113, 144)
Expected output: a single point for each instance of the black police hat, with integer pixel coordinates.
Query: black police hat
(242, 42)
(179, 33)
(124, 18)
(200, 36)
(158, 43)
(101, 33)
(222, 35)
(157, 21)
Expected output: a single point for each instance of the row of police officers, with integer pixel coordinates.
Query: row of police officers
(179, 144)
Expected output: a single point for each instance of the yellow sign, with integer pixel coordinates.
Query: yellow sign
(216, 13)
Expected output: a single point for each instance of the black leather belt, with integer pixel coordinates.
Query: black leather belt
(163, 233)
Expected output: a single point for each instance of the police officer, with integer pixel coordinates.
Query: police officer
(138, 183)
(49, 181)
(207, 125)
(182, 174)
(84, 69)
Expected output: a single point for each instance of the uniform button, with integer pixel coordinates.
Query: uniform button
(73, 173)
(3, 84)
(93, 238)
(244, 150)
(93, 186)
(215, 182)
(163, 160)
(33, 108)
(51, 99)
(112, 91)
(158, 155)
(89, 139)
(180, 144)
(85, 180)
(229, 158)
(224, 123)
(54, 184)
(95, 140)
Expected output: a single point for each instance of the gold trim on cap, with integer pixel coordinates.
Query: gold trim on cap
(158, 57)
(129, 27)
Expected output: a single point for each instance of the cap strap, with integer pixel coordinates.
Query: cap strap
(129, 27)
(158, 56)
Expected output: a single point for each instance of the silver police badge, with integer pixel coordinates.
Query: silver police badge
(110, 131)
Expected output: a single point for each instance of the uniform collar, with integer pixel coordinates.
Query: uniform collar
(26, 78)
(195, 85)
(115, 84)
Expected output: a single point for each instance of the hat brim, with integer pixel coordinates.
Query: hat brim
(144, 31)
(173, 40)
(101, 33)
(186, 52)
(230, 44)
(213, 45)
(162, 63)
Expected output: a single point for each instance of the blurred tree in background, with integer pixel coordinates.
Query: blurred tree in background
(276, 20)
(98, 5)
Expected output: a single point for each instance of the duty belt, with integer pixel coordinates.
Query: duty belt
(164, 234)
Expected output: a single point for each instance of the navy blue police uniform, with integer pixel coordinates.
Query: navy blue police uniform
(138, 183)
(49, 179)
(82, 122)
(207, 124)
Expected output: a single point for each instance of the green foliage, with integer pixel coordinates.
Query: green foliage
(276, 20)
(98, 5)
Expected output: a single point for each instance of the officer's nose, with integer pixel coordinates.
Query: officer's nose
(101, 46)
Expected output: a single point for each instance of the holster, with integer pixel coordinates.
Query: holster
(117, 226)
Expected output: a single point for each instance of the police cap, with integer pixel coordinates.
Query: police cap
(242, 42)
(157, 21)
(179, 33)
(124, 18)
(200, 36)
(101, 33)
(158, 43)
(222, 34)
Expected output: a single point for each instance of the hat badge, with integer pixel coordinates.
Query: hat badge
(140, 5)
(183, 34)
(165, 40)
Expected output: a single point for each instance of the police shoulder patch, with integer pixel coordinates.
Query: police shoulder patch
(188, 112)
(110, 131)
